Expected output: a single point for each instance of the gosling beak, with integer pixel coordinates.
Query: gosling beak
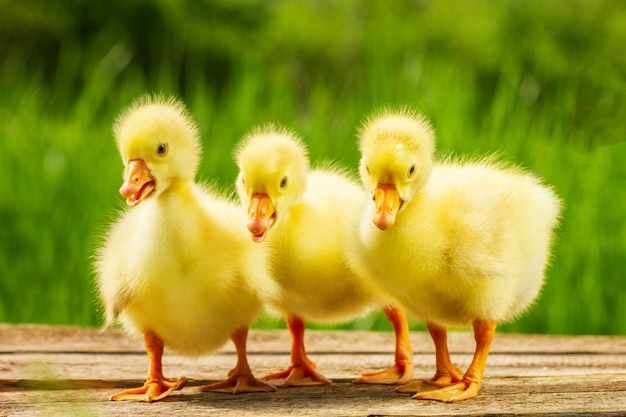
(138, 182)
(261, 216)
(387, 200)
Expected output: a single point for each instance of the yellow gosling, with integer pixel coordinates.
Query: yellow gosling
(459, 243)
(175, 266)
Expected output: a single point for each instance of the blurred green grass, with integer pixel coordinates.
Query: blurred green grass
(541, 83)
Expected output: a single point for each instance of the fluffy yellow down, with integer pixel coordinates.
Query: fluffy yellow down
(471, 239)
(179, 264)
(316, 212)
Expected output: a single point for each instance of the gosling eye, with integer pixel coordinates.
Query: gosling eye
(367, 169)
(243, 180)
(411, 171)
(162, 149)
(283, 182)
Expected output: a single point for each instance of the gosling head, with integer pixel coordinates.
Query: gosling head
(159, 144)
(273, 167)
(396, 147)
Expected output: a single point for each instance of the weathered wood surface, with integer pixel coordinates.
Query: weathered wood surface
(71, 371)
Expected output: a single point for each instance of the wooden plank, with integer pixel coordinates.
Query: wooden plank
(599, 397)
(48, 370)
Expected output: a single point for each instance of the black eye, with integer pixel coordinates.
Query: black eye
(283, 182)
(411, 171)
(243, 180)
(162, 149)
(368, 170)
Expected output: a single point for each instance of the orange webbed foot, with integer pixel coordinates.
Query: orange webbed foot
(402, 371)
(460, 391)
(236, 383)
(396, 375)
(297, 376)
(440, 380)
(152, 390)
(240, 378)
(469, 386)
(302, 371)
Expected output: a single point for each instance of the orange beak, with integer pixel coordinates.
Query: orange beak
(138, 182)
(387, 200)
(261, 216)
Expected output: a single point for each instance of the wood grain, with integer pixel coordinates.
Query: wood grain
(54, 370)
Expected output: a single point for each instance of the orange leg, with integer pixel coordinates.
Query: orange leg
(469, 386)
(302, 370)
(402, 371)
(446, 373)
(156, 386)
(240, 379)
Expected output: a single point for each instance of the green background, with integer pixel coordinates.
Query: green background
(542, 83)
